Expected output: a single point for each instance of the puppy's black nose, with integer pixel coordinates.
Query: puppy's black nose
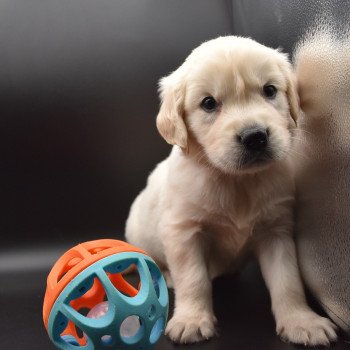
(254, 139)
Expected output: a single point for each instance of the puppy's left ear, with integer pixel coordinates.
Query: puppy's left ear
(292, 91)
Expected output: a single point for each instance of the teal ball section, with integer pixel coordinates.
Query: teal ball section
(134, 323)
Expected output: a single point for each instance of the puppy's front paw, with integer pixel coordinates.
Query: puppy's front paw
(307, 328)
(191, 328)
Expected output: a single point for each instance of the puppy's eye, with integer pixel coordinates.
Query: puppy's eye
(270, 91)
(209, 104)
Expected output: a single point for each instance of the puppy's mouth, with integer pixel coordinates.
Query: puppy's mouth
(256, 159)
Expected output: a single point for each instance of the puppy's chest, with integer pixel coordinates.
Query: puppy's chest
(230, 206)
(229, 215)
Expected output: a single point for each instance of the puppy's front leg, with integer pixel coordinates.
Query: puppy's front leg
(193, 319)
(295, 321)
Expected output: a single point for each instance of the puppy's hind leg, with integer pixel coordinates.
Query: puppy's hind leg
(295, 321)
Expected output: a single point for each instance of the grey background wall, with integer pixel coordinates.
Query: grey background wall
(78, 100)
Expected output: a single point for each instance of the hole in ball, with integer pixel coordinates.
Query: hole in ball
(130, 327)
(157, 330)
(107, 340)
(151, 312)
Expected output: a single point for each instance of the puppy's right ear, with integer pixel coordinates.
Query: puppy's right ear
(170, 119)
(292, 90)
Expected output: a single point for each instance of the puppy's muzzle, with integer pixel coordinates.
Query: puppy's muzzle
(254, 139)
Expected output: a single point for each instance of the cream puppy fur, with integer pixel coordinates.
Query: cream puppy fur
(230, 111)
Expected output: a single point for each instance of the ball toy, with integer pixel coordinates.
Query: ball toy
(94, 301)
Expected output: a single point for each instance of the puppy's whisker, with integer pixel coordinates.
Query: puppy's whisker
(298, 154)
(226, 113)
(299, 139)
(240, 162)
(201, 158)
(305, 131)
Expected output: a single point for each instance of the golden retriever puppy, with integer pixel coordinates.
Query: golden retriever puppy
(230, 111)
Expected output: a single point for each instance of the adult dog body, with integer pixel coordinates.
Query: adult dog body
(227, 186)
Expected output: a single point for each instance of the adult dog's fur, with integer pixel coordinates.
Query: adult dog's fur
(322, 61)
(217, 194)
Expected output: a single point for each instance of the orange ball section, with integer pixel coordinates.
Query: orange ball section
(75, 260)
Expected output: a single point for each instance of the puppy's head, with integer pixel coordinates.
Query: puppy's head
(237, 99)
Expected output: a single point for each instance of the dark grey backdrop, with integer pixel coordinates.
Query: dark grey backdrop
(78, 90)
